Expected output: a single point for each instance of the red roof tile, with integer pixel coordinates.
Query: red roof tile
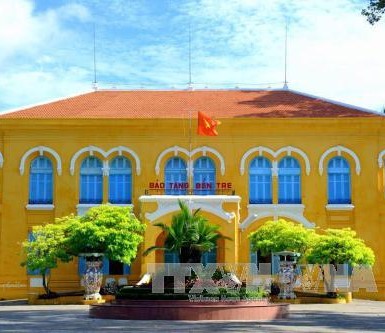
(178, 104)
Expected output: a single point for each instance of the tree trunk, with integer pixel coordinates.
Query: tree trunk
(45, 283)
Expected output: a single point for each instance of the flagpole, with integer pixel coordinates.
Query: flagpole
(189, 176)
(189, 150)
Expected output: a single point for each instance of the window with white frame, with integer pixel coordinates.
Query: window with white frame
(175, 175)
(289, 181)
(204, 176)
(260, 181)
(41, 181)
(339, 183)
(91, 181)
(120, 181)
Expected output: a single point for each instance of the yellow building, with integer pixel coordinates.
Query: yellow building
(279, 153)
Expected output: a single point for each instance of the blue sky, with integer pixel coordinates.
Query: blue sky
(46, 47)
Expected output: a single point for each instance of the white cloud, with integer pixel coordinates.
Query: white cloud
(35, 57)
(332, 51)
(74, 11)
(20, 31)
(45, 85)
(339, 55)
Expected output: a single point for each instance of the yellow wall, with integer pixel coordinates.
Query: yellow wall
(148, 139)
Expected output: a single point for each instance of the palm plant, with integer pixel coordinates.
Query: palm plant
(190, 234)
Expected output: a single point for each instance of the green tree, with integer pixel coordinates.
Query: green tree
(281, 235)
(44, 250)
(374, 11)
(111, 230)
(340, 246)
(190, 234)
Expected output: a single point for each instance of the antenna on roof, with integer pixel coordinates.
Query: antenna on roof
(285, 86)
(189, 57)
(95, 83)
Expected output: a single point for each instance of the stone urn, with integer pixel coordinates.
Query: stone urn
(93, 276)
(287, 273)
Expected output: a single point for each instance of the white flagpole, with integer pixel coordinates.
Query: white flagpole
(190, 166)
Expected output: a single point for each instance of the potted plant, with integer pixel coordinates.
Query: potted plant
(190, 235)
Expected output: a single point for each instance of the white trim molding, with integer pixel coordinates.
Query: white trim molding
(381, 159)
(91, 149)
(41, 150)
(205, 149)
(260, 211)
(339, 150)
(39, 207)
(1, 160)
(122, 149)
(208, 203)
(261, 150)
(36, 282)
(344, 207)
(176, 150)
(81, 209)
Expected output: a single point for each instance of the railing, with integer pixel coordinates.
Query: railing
(189, 192)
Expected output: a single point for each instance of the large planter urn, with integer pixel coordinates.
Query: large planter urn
(287, 274)
(93, 276)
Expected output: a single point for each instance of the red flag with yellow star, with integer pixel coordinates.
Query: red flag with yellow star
(206, 125)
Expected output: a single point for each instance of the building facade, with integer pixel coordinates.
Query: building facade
(279, 154)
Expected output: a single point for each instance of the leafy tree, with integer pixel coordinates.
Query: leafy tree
(335, 246)
(281, 235)
(190, 234)
(111, 230)
(44, 250)
(339, 246)
(374, 11)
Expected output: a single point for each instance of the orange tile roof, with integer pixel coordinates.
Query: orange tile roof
(116, 104)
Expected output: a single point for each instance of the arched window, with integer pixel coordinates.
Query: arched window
(91, 181)
(120, 181)
(339, 187)
(260, 185)
(204, 176)
(40, 181)
(289, 180)
(176, 176)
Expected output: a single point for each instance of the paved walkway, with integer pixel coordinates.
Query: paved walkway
(359, 316)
